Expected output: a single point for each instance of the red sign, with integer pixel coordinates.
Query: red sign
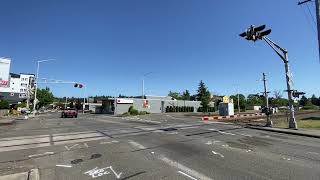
(3, 83)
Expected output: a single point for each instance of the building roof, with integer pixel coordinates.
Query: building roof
(13, 75)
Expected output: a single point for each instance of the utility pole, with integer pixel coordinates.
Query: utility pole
(238, 100)
(269, 121)
(146, 74)
(317, 4)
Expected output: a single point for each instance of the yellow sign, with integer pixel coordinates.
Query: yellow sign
(226, 99)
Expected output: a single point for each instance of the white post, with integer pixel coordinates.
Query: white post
(65, 104)
(84, 99)
(35, 91)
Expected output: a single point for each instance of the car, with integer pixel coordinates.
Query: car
(70, 112)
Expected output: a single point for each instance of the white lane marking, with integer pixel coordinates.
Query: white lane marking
(140, 146)
(212, 142)
(209, 143)
(86, 145)
(118, 175)
(38, 155)
(68, 148)
(222, 132)
(190, 127)
(313, 153)
(109, 142)
(184, 168)
(285, 158)
(97, 172)
(62, 165)
(171, 133)
(212, 129)
(187, 175)
(217, 153)
(245, 135)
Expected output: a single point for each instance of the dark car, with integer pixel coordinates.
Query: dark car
(69, 113)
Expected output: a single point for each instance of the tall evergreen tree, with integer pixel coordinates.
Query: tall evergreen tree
(186, 95)
(203, 96)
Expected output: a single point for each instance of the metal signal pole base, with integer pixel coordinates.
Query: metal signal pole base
(269, 122)
(293, 123)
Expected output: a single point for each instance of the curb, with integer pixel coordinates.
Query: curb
(34, 174)
(205, 118)
(284, 131)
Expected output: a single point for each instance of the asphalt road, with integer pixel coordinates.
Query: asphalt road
(168, 146)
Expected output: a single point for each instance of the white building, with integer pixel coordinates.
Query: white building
(14, 87)
(4, 71)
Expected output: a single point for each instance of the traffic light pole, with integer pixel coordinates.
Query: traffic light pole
(318, 22)
(284, 57)
(269, 121)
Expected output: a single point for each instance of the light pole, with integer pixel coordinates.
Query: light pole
(146, 74)
(256, 33)
(35, 101)
(238, 96)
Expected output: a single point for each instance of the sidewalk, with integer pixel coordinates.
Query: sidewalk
(6, 120)
(299, 132)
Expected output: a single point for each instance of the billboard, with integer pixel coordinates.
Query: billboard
(4, 71)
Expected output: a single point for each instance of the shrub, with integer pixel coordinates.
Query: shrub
(133, 111)
(126, 114)
(22, 105)
(143, 112)
(311, 107)
(130, 108)
(4, 104)
(192, 109)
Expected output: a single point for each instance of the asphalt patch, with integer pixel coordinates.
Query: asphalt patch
(169, 129)
(76, 161)
(95, 156)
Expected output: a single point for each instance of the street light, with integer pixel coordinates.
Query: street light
(146, 74)
(36, 85)
(256, 33)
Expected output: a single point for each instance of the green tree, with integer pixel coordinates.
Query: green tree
(315, 100)
(242, 101)
(45, 97)
(253, 99)
(186, 95)
(203, 96)
(78, 104)
(175, 95)
(4, 104)
(303, 101)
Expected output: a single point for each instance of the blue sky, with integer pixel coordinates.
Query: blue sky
(109, 45)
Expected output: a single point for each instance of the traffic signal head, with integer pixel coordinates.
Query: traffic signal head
(77, 85)
(254, 33)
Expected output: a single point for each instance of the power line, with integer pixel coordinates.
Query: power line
(308, 20)
(312, 17)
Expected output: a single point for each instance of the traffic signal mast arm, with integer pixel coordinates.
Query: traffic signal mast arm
(276, 48)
